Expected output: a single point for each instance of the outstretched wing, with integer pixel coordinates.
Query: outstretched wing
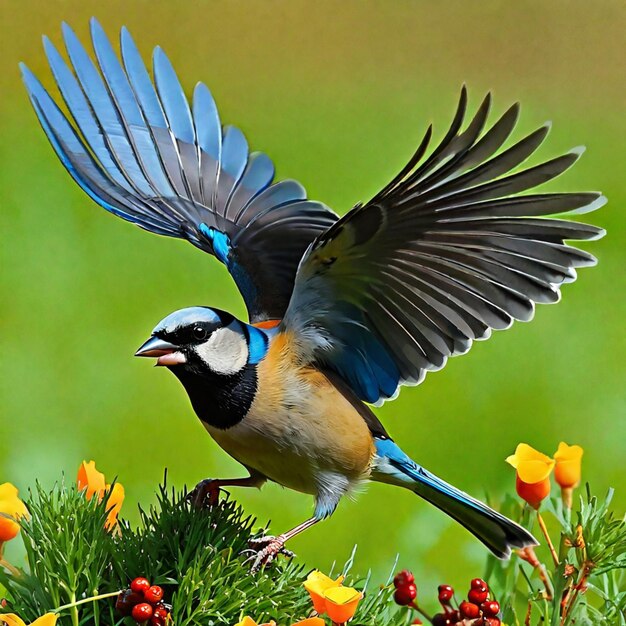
(139, 150)
(447, 251)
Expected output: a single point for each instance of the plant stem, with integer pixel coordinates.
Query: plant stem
(544, 530)
(578, 587)
(10, 568)
(76, 603)
(74, 610)
(528, 612)
(543, 575)
(421, 611)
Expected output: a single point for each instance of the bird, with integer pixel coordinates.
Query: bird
(342, 311)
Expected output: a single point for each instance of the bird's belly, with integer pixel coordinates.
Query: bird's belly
(301, 443)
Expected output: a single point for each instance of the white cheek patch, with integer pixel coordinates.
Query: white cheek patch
(225, 352)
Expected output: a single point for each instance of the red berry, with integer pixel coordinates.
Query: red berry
(469, 610)
(477, 597)
(445, 594)
(403, 578)
(405, 595)
(142, 612)
(126, 600)
(157, 621)
(140, 585)
(480, 584)
(161, 611)
(154, 595)
(490, 608)
(441, 619)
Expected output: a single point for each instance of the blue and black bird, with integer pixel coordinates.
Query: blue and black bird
(343, 311)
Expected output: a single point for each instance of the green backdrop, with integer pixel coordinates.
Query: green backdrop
(338, 94)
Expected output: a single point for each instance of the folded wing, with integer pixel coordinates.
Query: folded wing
(450, 249)
(138, 149)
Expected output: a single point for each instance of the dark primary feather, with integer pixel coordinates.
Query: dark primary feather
(138, 149)
(443, 254)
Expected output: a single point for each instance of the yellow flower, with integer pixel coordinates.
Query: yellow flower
(317, 584)
(331, 597)
(10, 619)
(341, 603)
(93, 483)
(568, 460)
(11, 509)
(533, 474)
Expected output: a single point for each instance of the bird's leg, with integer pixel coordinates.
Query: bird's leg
(207, 491)
(265, 549)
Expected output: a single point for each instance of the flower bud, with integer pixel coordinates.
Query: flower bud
(568, 470)
(533, 474)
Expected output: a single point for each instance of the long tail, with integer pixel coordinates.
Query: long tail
(498, 533)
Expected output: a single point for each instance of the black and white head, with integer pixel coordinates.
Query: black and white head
(214, 355)
(205, 340)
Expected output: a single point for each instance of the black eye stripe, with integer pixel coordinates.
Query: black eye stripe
(190, 333)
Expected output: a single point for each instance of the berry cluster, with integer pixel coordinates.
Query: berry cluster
(406, 590)
(144, 602)
(477, 610)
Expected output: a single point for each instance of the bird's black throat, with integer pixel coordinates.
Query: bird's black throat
(219, 400)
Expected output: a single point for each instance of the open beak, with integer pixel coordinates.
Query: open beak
(166, 353)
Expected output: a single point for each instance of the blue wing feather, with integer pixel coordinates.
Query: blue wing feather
(105, 111)
(79, 107)
(78, 162)
(258, 176)
(233, 164)
(173, 98)
(140, 152)
(209, 137)
(140, 81)
(122, 93)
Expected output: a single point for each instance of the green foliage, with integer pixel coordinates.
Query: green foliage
(587, 587)
(194, 554)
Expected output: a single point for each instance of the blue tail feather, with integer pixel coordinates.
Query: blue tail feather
(497, 532)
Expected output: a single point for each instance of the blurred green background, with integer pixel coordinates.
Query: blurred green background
(338, 94)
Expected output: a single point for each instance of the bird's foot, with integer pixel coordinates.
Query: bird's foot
(264, 550)
(206, 493)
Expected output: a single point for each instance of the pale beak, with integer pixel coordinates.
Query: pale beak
(166, 353)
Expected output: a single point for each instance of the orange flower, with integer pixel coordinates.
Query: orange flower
(11, 509)
(114, 504)
(331, 597)
(10, 619)
(90, 479)
(317, 584)
(533, 474)
(93, 483)
(341, 603)
(568, 460)
(567, 471)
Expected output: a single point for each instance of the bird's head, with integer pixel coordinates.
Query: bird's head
(201, 341)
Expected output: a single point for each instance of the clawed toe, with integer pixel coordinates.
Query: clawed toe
(263, 551)
(205, 494)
